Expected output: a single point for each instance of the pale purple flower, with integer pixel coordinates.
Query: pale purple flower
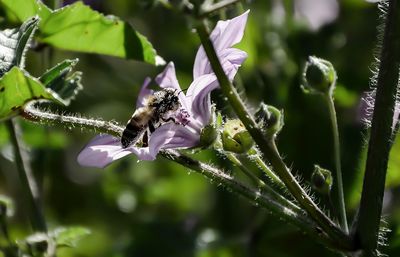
(195, 111)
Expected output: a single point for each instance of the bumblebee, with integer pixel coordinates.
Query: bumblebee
(156, 111)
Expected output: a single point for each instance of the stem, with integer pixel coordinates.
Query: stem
(369, 218)
(336, 145)
(29, 187)
(268, 147)
(262, 186)
(293, 216)
(245, 170)
(264, 167)
(208, 9)
(31, 113)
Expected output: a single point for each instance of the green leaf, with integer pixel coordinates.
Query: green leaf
(93, 32)
(16, 89)
(58, 81)
(77, 27)
(70, 236)
(24, 9)
(14, 44)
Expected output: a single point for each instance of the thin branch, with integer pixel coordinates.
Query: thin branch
(28, 183)
(338, 165)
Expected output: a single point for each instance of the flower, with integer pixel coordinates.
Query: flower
(195, 111)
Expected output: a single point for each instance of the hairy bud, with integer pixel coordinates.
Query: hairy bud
(321, 180)
(270, 119)
(235, 138)
(319, 76)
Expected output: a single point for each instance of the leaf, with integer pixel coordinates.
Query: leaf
(70, 236)
(77, 27)
(14, 44)
(57, 79)
(16, 89)
(25, 9)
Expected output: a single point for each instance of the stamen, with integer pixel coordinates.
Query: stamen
(182, 117)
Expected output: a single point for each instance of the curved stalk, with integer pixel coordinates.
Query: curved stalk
(28, 183)
(336, 145)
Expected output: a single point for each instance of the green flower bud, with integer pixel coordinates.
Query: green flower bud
(321, 180)
(269, 119)
(319, 76)
(235, 138)
(208, 135)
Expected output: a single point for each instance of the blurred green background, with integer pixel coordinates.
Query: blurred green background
(162, 209)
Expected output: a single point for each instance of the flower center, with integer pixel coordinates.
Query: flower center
(182, 117)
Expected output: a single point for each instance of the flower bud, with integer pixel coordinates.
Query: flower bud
(235, 138)
(208, 135)
(269, 119)
(319, 76)
(321, 180)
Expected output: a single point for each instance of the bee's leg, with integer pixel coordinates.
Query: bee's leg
(170, 119)
(145, 139)
(151, 127)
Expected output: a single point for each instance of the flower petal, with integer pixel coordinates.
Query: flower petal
(230, 32)
(172, 136)
(101, 151)
(199, 95)
(226, 34)
(144, 92)
(167, 78)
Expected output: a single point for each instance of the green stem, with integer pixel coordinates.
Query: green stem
(367, 226)
(244, 169)
(28, 182)
(268, 147)
(336, 145)
(264, 167)
(290, 215)
(261, 185)
(34, 114)
(208, 9)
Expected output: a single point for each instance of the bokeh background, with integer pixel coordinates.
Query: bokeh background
(162, 209)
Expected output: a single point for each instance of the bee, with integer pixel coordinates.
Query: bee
(156, 111)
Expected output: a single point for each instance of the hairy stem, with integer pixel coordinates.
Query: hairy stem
(264, 167)
(245, 170)
(261, 185)
(28, 183)
(268, 147)
(338, 165)
(367, 226)
(34, 114)
(291, 215)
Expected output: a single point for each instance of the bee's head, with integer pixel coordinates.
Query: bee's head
(167, 99)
